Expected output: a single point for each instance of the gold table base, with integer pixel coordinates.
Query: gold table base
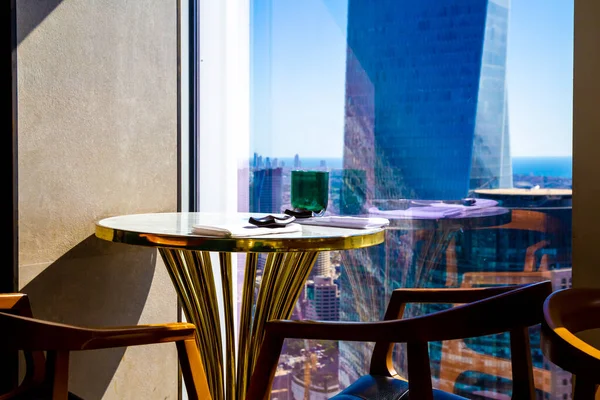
(282, 281)
(187, 256)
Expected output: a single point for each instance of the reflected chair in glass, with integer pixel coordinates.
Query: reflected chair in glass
(568, 312)
(47, 376)
(536, 223)
(457, 358)
(484, 311)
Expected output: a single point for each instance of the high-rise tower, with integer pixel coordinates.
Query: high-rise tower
(425, 118)
(426, 107)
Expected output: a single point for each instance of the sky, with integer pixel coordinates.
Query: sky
(298, 77)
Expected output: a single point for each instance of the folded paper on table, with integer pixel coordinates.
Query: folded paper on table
(242, 229)
(345, 222)
(418, 212)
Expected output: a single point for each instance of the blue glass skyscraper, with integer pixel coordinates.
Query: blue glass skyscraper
(425, 118)
(426, 106)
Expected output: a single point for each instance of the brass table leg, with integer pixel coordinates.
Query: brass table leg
(283, 278)
(191, 273)
(282, 281)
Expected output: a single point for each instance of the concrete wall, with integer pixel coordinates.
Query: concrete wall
(97, 109)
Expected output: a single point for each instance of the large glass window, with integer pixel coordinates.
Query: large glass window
(405, 102)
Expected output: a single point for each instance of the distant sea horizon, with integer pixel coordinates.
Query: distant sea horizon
(558, 167)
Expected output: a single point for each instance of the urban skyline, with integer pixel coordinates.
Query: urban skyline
(298, 81)
(416, 97)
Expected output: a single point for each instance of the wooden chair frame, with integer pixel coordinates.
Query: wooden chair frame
(485, 311)
(49, 375)
(566, 313)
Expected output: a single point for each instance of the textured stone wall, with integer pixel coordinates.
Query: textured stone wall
(97, 109)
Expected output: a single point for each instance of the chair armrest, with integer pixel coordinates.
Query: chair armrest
(16, 301)
(141, 335)
(38, 334)
(8, 300)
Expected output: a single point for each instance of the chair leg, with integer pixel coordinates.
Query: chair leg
(192, 370)
(58, 374)
(522, 367)
(419, 371)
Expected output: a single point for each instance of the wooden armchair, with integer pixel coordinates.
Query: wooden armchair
(457, 358)
(47, 376)
(489, 311)
(566, 313)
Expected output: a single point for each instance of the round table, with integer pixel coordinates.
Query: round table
(438, 236)
(436, 233)
(289, 260)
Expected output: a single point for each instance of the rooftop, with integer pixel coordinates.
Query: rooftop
(525, 192)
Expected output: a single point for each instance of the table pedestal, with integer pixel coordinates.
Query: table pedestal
(187, 256)
(282, 281)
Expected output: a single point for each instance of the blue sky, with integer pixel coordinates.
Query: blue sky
(540, 77)
(298, 77)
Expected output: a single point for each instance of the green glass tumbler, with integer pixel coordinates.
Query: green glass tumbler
(310, 190)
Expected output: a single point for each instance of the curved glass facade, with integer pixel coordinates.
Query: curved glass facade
(426, 107)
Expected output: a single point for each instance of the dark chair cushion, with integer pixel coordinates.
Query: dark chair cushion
(370, 387)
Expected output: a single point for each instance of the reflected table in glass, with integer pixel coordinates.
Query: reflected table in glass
(289, 260)
(416, 250)
(422, 242)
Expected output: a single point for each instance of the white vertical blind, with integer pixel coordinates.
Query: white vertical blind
(224, 114)
(224, 137)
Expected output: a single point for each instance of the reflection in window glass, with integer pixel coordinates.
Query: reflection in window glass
(408, 103)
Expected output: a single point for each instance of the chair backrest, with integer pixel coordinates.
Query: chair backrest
(484, 311)
(489, 311)
(566, 313)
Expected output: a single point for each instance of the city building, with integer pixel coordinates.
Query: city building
(266, 190)
(322, 299)
(426, 117)
(323, 266)
(426, 104)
